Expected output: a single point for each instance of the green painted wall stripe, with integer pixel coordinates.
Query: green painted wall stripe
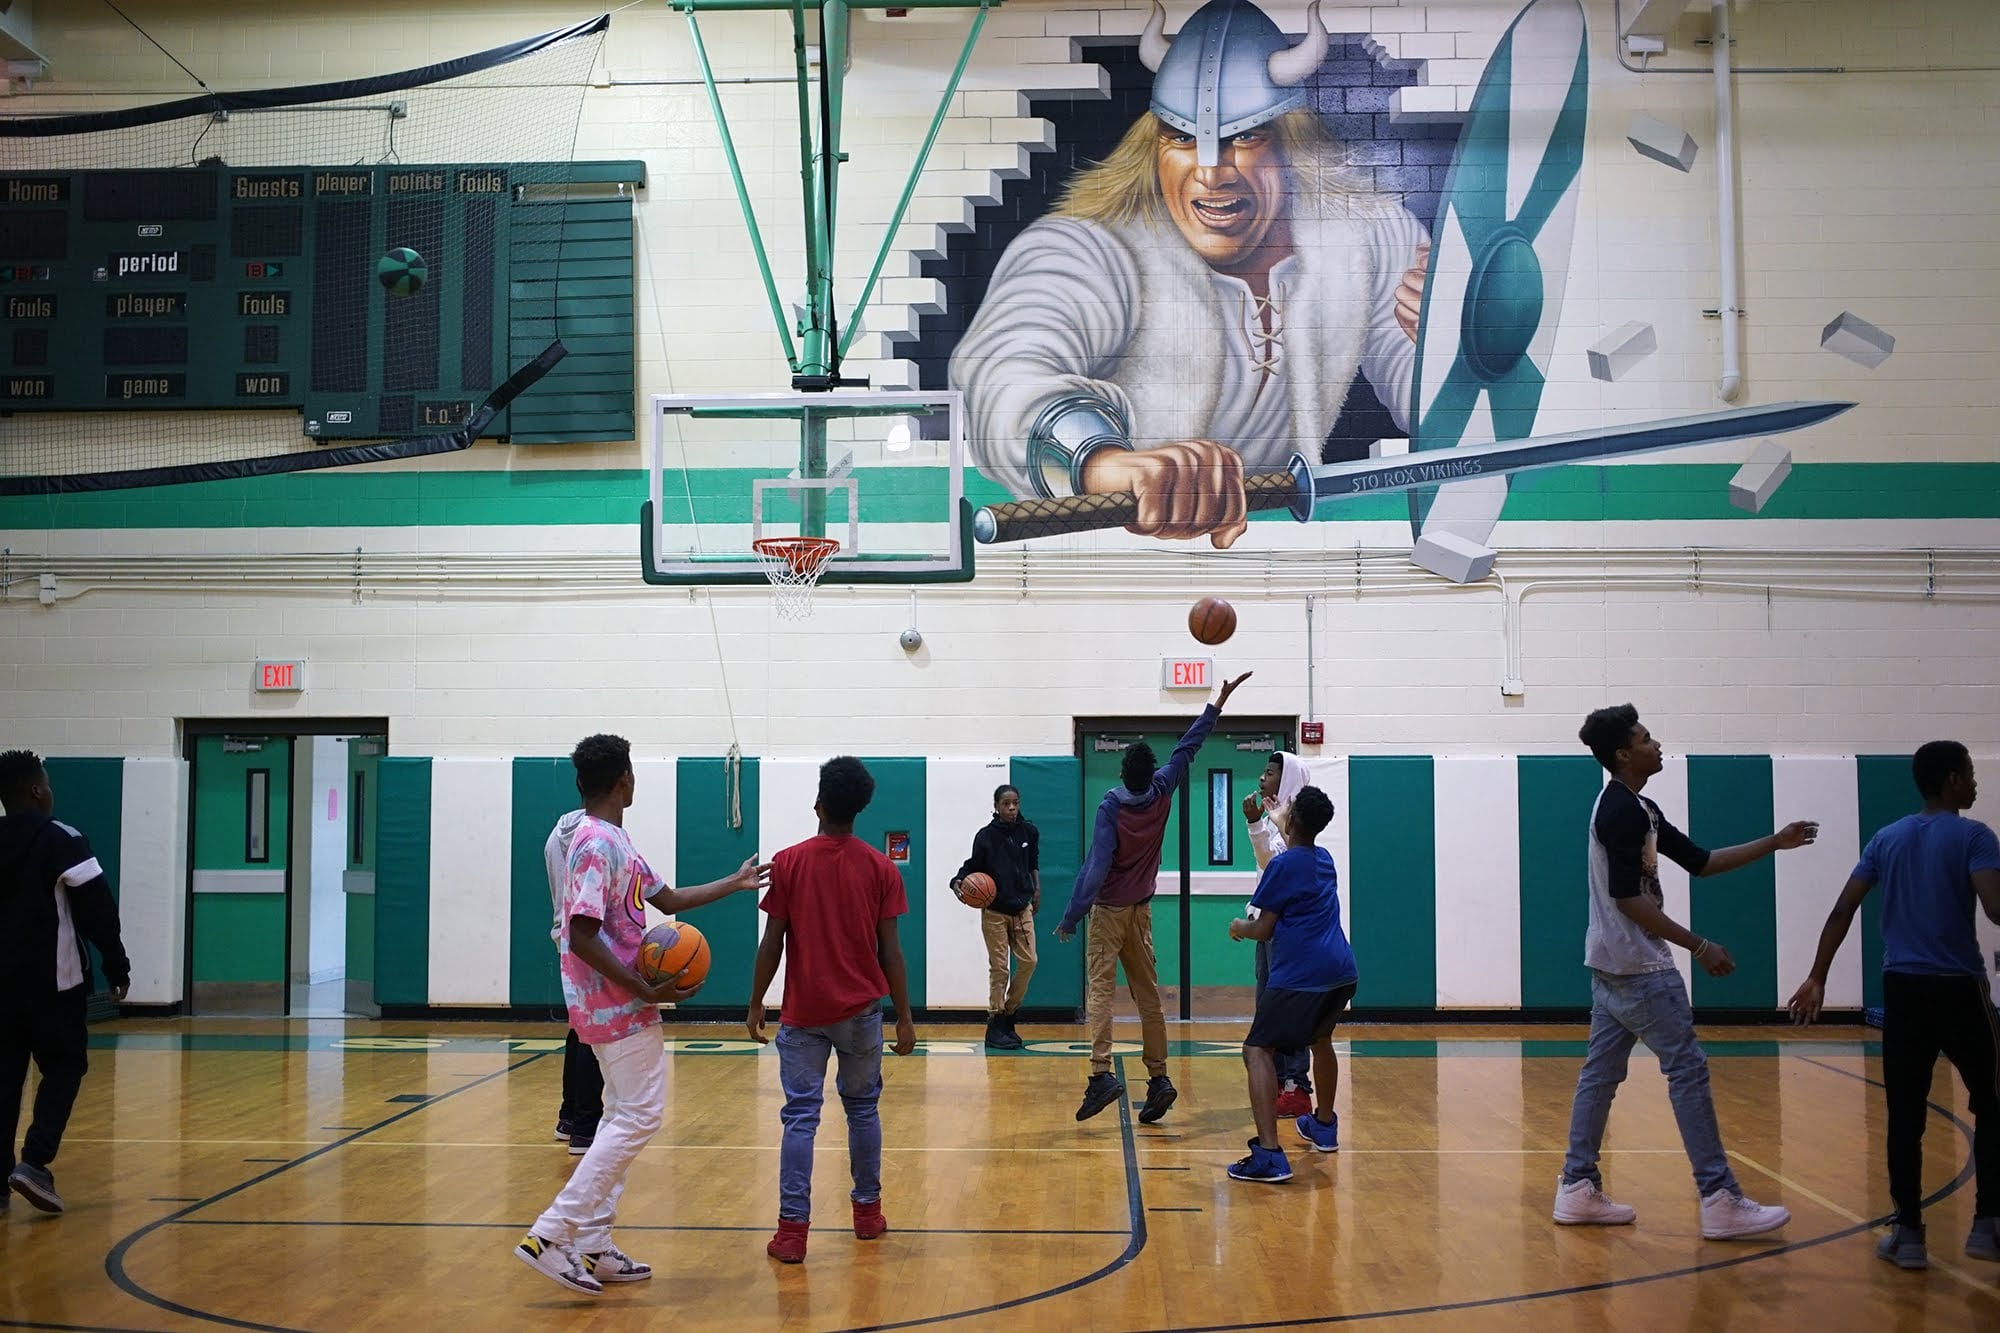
(361, 937)
(1729, 802)
(1052, 797)
(706, 849)
(1885, 792)
(1391, 886)
(354, 498)
(90, 798)
(543, 790)
(901, 804)
(403, 883)
(1556, 794)
(239, 937)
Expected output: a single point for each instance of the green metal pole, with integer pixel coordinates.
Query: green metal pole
(743, 194)
(815, 357)
(812, 463)
(910, 186)
(833, 35)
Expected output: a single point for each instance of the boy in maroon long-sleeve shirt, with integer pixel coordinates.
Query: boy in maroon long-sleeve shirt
(1115, 890)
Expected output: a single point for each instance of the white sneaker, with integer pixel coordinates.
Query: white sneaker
(1726, 1216)
(559, 1263)
(1580, 1203)
(612, 1264)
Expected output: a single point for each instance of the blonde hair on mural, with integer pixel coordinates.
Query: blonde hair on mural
(1125, 186)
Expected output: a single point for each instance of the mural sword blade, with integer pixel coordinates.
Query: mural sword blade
(1300, 486)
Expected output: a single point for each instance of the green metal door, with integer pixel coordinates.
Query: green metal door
(237, 919)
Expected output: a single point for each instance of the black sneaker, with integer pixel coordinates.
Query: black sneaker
(998, 1038)
(37, 1186)
(1100, 1092)
(1160, 1095)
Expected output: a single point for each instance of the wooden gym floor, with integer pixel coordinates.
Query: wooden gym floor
(334, 1175)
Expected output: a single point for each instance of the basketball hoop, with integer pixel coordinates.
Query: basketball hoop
(794, 564)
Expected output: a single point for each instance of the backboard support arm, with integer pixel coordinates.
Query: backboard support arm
(815, 359)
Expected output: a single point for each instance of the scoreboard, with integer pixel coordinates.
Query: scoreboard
(212, 287)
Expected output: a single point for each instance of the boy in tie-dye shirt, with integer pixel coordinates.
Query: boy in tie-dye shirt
(606, 886)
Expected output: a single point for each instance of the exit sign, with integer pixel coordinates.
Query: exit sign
(1185, 673)
(280, 677)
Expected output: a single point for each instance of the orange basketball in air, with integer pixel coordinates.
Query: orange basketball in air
(978, 889)
(1212, 620)
(668, 949)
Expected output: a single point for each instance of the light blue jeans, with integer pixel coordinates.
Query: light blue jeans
(802, 1054)
(1651, 1007)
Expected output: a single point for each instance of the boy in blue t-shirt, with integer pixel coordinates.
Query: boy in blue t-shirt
(1933, 867)
(1311, 981)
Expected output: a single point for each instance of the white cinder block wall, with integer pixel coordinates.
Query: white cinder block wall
(1878, 192)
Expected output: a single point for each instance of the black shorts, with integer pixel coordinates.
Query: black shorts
(1289, 1019)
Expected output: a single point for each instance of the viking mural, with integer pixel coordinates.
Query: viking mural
(1197, 304)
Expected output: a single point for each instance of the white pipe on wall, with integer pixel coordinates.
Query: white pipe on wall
(1730, 385)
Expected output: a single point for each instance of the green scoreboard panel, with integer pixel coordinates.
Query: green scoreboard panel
(216, 287)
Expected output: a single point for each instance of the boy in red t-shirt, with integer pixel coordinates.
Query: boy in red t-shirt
(832, 909)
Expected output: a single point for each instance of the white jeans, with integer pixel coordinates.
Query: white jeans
(635, 1095)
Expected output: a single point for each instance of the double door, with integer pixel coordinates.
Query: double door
(1207, 867)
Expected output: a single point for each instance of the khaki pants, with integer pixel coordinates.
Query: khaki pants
(1007, 935)
(1123, 935)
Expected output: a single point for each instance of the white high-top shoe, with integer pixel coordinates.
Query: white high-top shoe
(1581, 1203)
(1726, 1216)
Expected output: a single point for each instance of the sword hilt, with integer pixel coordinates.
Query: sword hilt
(1021, 520)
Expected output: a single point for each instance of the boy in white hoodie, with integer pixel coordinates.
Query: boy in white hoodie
(1266, 812)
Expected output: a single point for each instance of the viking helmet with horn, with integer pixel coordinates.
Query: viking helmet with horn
(1227, 70)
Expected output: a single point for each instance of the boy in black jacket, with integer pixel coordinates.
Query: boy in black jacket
(53, 897)
(1008, 849)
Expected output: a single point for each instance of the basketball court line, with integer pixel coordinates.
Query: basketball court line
(114, 1262)
(630, 1226)
(1952, 1186)
(1950, 1270)
(552, 1148)
(1135, 1233)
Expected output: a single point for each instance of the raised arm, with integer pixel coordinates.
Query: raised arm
(1798, 833)
(749, 876)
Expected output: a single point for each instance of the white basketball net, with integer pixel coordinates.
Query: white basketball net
(794, 564)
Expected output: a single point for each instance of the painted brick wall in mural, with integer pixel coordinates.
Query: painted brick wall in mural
(1241, 284)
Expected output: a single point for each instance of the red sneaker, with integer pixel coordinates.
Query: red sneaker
(868, 1220)
(1293, 1102)
(789, 1245)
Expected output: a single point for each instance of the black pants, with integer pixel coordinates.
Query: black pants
(53, 1035)
(583, 1086)
(1922, 1018)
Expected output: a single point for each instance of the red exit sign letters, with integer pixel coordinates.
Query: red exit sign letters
(280, 677)
(1185, 673)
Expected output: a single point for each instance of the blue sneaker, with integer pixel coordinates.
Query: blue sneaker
(1267, 1165)
(1325, 1138)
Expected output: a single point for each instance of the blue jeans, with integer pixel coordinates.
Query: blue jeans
(1294, 1064)
(802, 1054)
(1651, 1007)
